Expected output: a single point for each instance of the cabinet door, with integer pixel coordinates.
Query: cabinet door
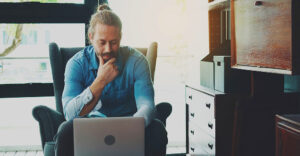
(262, 35)
(288, 140)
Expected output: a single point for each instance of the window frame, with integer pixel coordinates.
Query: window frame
(35, 12)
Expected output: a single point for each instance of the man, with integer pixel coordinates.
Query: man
(105, 80)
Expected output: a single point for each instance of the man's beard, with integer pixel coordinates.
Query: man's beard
(109, 54)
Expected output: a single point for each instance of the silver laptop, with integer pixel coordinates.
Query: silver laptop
(112, 136)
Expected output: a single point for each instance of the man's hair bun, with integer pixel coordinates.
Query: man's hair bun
(103, 7)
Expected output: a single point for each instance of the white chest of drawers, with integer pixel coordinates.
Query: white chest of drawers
(209, 121)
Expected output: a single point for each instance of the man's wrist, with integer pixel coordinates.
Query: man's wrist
(102, 83)
(97, 87)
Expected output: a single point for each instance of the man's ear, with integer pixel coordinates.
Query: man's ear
(90, 37)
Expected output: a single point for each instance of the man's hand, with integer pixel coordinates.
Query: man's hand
(107, 71)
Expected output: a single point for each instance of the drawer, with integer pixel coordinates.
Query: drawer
(208, 103)
(198, 113)
(207, 125)
(201, 139)
(196, 149)
(193, 97)
(263, 33)
(200, 102)
(201, 107)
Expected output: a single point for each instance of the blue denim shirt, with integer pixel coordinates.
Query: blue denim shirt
(131, 93)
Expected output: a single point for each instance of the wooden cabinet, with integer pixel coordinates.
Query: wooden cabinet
(209, 121)
(265, 35)
(254, 127)
(288, 135)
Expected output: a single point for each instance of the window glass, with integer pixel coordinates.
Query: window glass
(46, 1)
(24, 49)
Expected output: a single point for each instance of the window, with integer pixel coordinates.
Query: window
(25, 77)
(25, 57)
(42, 13)
(29, 63)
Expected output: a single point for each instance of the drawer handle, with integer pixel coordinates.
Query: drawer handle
(193, 114)
(193, 149)
(210, 125)
(258, 3)
(191, 97)
(208, 105)
(193, 132)
(210, 145)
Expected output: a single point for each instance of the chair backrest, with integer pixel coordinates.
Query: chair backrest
(60, 56)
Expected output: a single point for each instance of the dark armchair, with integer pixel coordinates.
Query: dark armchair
(49, 119)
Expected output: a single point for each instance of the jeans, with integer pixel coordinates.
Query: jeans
(155, 139)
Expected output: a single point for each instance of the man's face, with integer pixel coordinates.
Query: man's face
(106, 41)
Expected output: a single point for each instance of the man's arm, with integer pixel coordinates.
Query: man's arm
(78, 101)
(106, 73)
(143, 91)
(74, 96)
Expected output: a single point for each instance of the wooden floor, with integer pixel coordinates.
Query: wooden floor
(39, 153)
(171, 150)
(22, 153)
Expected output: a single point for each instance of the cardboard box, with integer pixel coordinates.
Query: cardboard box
(230, 80)
(207, 72)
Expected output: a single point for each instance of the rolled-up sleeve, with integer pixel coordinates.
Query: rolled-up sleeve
(75, 96)
(143, 91)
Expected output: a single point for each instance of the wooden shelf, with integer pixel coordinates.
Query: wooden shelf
(262, 69)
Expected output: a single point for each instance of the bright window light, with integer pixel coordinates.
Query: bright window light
(181, 29)
(24, 49)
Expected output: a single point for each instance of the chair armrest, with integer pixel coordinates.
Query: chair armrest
(49, 121)
(163, 109)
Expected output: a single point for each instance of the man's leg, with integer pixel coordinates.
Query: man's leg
(64, 139)
(155, 139)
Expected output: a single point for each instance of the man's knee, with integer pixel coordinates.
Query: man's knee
(65, 131)
(64, 139)
(156, 139)
(158, 133)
